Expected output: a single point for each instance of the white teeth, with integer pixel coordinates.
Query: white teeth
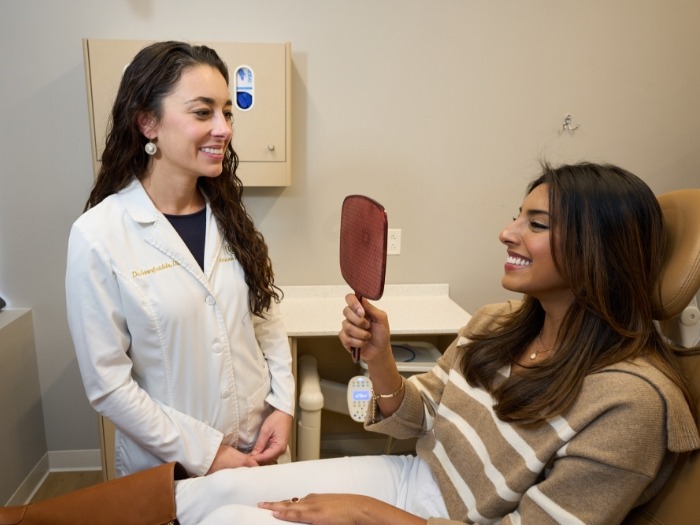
(519, 261)
(214, 151)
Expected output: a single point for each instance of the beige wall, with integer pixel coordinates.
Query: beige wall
(439, 109)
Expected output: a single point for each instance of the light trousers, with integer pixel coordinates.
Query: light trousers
(231, 496)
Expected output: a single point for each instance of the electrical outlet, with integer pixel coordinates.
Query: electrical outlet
(394, 242)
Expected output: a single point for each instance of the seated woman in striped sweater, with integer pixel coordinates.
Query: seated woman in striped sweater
(566, 407)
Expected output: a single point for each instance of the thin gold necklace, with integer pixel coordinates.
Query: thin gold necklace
(534, 354)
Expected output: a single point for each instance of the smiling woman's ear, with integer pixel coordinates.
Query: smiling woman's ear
(147, 123)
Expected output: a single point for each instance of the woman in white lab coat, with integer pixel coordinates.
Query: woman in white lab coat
(170, 292)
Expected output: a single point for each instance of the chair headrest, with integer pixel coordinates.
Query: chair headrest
(680, 275)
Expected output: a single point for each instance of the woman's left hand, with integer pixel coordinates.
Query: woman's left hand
(340, 509)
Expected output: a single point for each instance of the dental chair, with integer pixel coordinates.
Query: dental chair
(676, 309)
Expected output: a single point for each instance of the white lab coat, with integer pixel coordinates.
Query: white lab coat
(168, 352)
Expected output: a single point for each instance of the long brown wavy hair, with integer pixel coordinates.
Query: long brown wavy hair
(151, 76)
(607, 242)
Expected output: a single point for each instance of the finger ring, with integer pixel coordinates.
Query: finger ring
(294, 500)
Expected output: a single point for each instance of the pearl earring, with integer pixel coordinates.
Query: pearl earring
(150, 148)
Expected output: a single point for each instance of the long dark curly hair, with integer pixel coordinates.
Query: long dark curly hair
(607, 243)
(151, 76)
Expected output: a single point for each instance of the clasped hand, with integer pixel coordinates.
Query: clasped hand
(270, 445)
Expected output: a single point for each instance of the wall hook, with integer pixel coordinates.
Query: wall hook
(567, 124)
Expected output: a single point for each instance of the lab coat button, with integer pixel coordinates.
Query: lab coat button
(225, 394)
(210, 300)
(217, 348)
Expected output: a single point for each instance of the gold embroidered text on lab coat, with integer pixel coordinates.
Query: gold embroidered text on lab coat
(164, 266)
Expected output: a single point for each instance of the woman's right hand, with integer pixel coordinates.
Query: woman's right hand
(365, 327)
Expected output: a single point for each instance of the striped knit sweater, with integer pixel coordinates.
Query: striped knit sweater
(613, 450)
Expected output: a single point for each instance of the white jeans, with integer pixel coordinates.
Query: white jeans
(231, 496)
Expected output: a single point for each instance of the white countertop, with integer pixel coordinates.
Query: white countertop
(412, 309)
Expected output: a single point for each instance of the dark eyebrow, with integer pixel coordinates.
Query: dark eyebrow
(209, 101)
(530, 213)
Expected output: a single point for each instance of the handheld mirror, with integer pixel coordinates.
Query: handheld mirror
(363, 236)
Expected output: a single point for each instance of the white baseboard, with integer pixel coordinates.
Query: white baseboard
(31, 483)
(55, 461)
(68, 460)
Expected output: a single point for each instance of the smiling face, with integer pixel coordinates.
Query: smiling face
(196, 126)
(530, 267)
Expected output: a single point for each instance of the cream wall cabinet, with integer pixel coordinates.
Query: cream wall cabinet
(262, 132)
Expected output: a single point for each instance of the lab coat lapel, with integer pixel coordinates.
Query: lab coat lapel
(212, 243)
(159, 233)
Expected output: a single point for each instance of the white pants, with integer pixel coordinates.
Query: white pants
(231, 496)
